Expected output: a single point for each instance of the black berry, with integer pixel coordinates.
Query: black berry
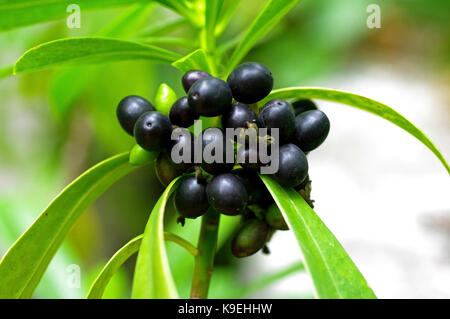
(166, 170)
(311, 130)
(275, 219)
(183, 143)
(210, 97)
(293, 167)
(227, 194)
(130, 109)
(248, 157)
(190, 198)
(301, 106)
(250, 82)
(278, 114)
(256, 190)
(152, 131)
(191, 77)
(239, 116)
(250, 238)
(212, 137)
(182, 114)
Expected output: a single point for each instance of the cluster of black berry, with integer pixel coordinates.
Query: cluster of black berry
(232, 188)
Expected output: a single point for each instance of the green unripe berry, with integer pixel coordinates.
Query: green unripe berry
(250, 238)
(164, 99)
(139, 156)
(275, 219)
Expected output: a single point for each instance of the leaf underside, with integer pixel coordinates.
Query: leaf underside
(332, 271)
(89, 50)
(152, 276)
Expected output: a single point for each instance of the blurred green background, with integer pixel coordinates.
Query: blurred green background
(56, 124)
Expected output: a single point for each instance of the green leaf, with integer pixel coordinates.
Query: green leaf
(362, 103)
(193, 61)
(273, 12)
(122, 255)
(25, 262)
(19, 13)
(227, 14)
(183, 8)
(88, 50)
(212, 11)
(333, 273)
(152, 276)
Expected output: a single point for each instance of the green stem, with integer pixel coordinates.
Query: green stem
(182, 242)
(204, 261)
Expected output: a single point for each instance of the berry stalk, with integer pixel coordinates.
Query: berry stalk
(204, 261)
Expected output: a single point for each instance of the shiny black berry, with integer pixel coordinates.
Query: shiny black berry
(301, 106)
(190, 198)
(191, 77)
(293, 166)
(227, 194)
(278, 114)
(181, 150)
(275, 219)
(152, 131)
(214, 144)
(311, 130)
(250, 238)
(182, 114)
(239, 116)
(250, 82)
(248, 157)
(130, 109)
(256, 190)
(210, 97)
(166, 170)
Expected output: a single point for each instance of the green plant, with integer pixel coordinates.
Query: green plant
(333, 273)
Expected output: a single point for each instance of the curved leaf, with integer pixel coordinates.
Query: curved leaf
(19, 13)
(272, 13)
(152, 276)
(23, 265)
(122, 255)
(362, 103)
(332, 271)
(88, 50)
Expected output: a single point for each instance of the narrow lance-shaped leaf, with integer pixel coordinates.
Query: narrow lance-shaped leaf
(22, 267)
(19, 13)
(333, 273)
(121, 256)
(273, 12)
(227, 13)
(152, 277)
(212, 11)
(88, 50)
(362, 103)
